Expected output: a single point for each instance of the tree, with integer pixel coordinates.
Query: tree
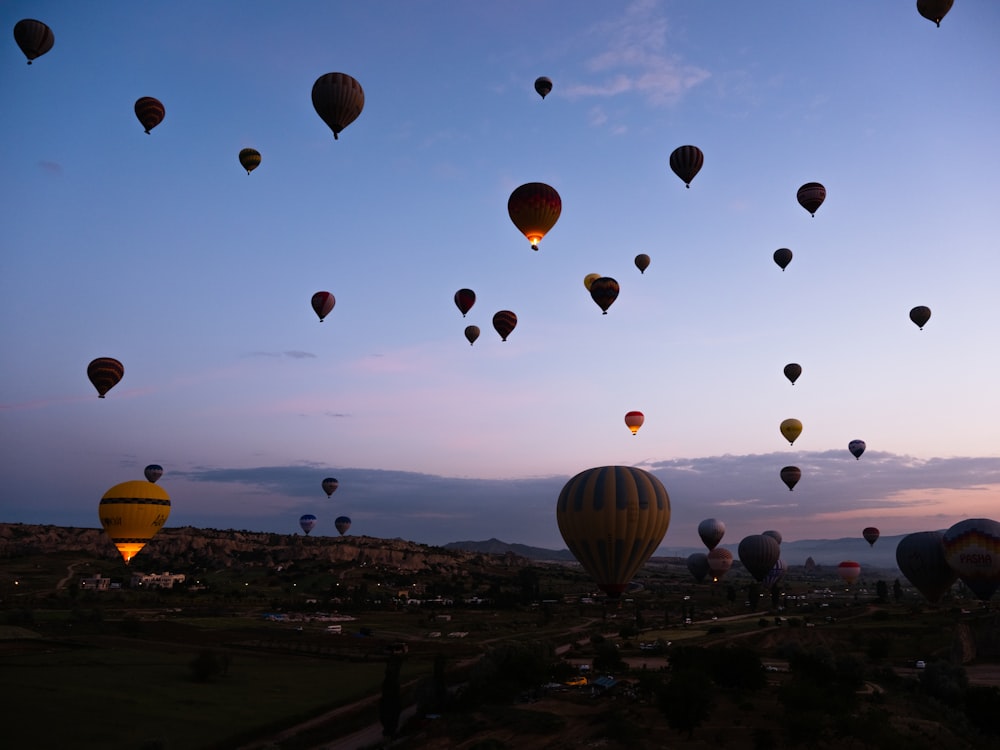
(882, 591)
(686, 700)
(897, 590)
(390, 704)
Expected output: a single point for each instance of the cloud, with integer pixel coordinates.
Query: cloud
(290, 353)
(52, 167)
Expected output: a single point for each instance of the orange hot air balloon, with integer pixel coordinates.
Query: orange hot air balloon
(543, 85)
(791, 475)
(472, 333)
(811, 196)
(33, 37)
(783, 256)
(249, 159)
(534, 208)
(132, 513)
(150, 112)
(322, 304)
(464, 300)
(338, 99)
(850, 571)
(686, 162)
(105, 373)
(791, 429)
(920, 315)
(792, 371)
(504, 323)
(604, 291)
(634, 420)
(642, 262)
(589, 279)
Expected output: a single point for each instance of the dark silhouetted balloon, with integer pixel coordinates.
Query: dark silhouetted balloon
(686, 162)
(534, 208)
(934, 10)
(920, 315)
(871, 535)
(972, 549)
(791, 475)
(720, 560)
(153, 472)
(850, 571)
(504, 322)
(783, 256)
(132, 513)
(697, 565)
(791, 429)
(711, 531)
(612, 518)
(634, 420)
(33, 37)
(604, 291)
(774, 534)
(759, 553)
(330, 485)
(343, 523)
(857, 447)
(543, 85)
(150, 112)
(792, 371)
(322, 304)
(775, 575)
(472, 333)
(464, 300)
(338, 99)
(922, 561)
(249, 159)
(642, 262)
(811, 196)
(105, 373)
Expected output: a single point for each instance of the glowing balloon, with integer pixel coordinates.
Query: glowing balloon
(534, 208)
(250, 159)
(105, 373)
(759, 553)
(871, 535)
(857, 447)
(711, 531)
(472, 333)
(153, 472)
(343, 523)
(150, 112)
(792, 371)
(322, 304)
(921, 559)
(934, 10)
(642, 262)
(783, 256)
(850, 571)
(686, 162)
(604, 291)
(464, 300)
(330, 486)
(791, 429)
(33, 37)
(132, 513)
(791, 475)
(720, 560)
(811, 196)
(338, 99)
(307, 522)
(972, 549)
(589, 279)
(920, 315)
(543, 85)
(697, 565)
(634, 420)
(612, 518)
(504, 323)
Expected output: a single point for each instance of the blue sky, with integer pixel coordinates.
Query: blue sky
(160, 251)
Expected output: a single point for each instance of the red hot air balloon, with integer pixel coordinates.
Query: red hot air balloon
(543, 85)
(534, 208)
(850, 571)
(783, 256)
(686, 162)
(634, 420)
(871, 535)
(464, 300)
(791, 475)
(604, 291)
(322, 304)
(811, 196)
(504, 323)
(105, 373)
(33, 37)
(338, 99)
(150, 112)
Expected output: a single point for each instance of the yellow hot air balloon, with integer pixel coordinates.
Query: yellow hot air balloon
(132, 513)
(589, 279)
(791, 429)
(613, 518)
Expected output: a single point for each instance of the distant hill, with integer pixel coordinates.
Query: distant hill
(496, 547)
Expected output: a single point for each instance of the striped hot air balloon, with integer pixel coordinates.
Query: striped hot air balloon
(686, 162)
(338, 99)
(132, 513)
(322, 304)
(249, 159)
(504, 323)
(105, 373)
(150, 112)
(33, 37)
(811, 196)
(534, 208)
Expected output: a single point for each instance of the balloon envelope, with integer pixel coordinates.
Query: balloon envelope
(720, 560)
(153, 472)
(811, 196)
(343, 523)
(250, 159)
(132, 513)
(338, 99)
(330, 486)
(464, 300)
(307, 522)
(920, 315)
(783, 256)
(322, 304)
(33, 37)
(774, 534)
(850, 571)
(686, 162)
(504, 323)
(791, 475)
(604, 291)
(871, 535)
(612, 518)
(105, 373)
(922, 561)
(697, 565)
(634, 420)
(472, 333)
(543, 85)
(534, 208)
(150, 112)
(776, 574)
(857, 447)
(792, 371)
(759, 553)
(642, 262)
(972, 549)
(711, 531)
(791, 429)
(934, 10)
(589, 279)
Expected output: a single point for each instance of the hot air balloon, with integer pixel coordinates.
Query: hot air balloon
(774, 534)
(920, 315)
(972, 549)
(330, 486)
(642, 262)
(697, 565)
(105, 373)
(922, 561)
(343, 523)
(792, 371)
(589, 279)
(33, 37)
(634, 420)
(720, 560)
(504, 322)
(153, 472)
(850, 571)
(132, 513)
(870, 533)
(534, 208)
(934, 10)
(811, 196)
(759, 553)
(150, 112)
(857, 447)
(686, 162)
(472, 333)
(711, 531)
(791, 475)
(543, 85)
(322, 304)
(464, 300)
(775, 575)
(783, 256)
(612, 518)
(604, 291)
(791, 429)
(250, 159)
(338, 99)
(307, 522)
